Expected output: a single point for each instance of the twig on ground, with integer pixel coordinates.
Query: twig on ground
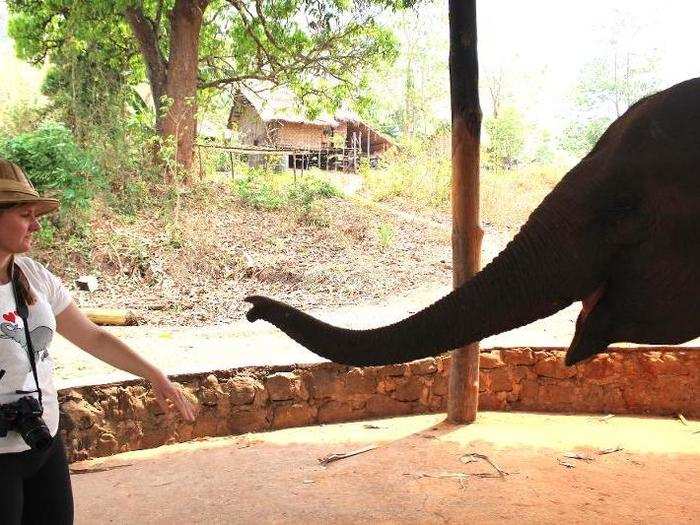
(579, 456)
(465, 459)
(330, 458)
(565, 463)
(461, 476)
(683, 419)
(610, 450)
(606, 418)
(90, 470)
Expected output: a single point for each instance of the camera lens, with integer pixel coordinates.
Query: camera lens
(35, 433)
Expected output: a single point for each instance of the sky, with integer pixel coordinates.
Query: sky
(562, 33)
(549, 41)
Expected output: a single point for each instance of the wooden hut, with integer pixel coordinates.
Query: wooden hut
(275, 119)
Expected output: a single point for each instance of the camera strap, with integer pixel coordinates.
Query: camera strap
(23, 312)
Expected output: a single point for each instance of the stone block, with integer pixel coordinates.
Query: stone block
(423, 367)
(492, 359)
(80, 415)
(285, 386)
(501, 380)
(379, 405)
(360, 381)
(518, 356)
(296, 415)
(491, 401)
(408, 389)
(242, 389)
(326, 382)
(439, 385)
(553, 366)
(335, 412)
(253, 420)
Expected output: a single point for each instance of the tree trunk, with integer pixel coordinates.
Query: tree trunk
(156, 68)
(180, 122)
(466, 231)
(173, 82)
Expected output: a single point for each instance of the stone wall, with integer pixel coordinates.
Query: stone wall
(106, 419)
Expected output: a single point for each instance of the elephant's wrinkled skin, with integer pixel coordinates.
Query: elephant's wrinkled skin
(621, 232)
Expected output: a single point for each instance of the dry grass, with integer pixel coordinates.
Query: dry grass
(419, 176)
(196, 265)
(191, 259)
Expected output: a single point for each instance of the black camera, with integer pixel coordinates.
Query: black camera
(24, 417)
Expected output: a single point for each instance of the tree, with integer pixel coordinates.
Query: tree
(411, 95)
(506, 132)
(621, 73)
(319, 48)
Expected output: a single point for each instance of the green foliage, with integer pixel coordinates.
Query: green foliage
(266, 190)
(386, 235)
(419, 171)
(258, 190)
(578, 138)
(621, 74)
(55, 164)
(322, 50)
(506, 138)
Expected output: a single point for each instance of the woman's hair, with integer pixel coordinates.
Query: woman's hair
(24, 289)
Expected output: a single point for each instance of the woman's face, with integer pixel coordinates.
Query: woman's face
(17, 224)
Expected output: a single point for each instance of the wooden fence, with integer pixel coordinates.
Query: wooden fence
(330, 159)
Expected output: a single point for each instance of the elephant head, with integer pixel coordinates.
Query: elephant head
(620, 232)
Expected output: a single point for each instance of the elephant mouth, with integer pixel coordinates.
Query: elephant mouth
(588, 339)
(589, 303)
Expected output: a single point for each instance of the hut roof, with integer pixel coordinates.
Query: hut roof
(280, 104)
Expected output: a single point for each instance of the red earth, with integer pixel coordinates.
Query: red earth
(628, 470)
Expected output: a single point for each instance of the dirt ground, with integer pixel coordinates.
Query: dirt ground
(415, 475)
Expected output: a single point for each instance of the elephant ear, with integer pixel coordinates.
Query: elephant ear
(592, 329)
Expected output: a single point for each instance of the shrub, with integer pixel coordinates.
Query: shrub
(262, 189)
(258, 191)
(55, 164)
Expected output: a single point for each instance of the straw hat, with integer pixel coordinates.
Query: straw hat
(15, 188)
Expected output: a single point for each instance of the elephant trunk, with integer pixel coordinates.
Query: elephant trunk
(537, 274)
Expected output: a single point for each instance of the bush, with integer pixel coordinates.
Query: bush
(264, 190)
(55, 164)
(419, 171)
(506, 138)
(258, 191)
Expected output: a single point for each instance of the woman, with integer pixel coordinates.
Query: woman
(34, 481)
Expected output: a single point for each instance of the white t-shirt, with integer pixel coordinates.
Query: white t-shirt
(51, 298)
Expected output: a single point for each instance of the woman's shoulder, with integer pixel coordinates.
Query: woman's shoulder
(32, 268)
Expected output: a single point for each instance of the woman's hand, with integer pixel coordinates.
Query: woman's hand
(72, 324)
(167, 395)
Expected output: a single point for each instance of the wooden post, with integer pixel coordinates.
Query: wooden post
(230, 159)
(466, 230)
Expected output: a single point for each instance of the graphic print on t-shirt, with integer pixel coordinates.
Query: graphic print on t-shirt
(41, 335)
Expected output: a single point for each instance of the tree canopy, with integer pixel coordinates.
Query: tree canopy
(321, 49)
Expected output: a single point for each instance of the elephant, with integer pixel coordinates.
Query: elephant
(620, 232)
(41, 338)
